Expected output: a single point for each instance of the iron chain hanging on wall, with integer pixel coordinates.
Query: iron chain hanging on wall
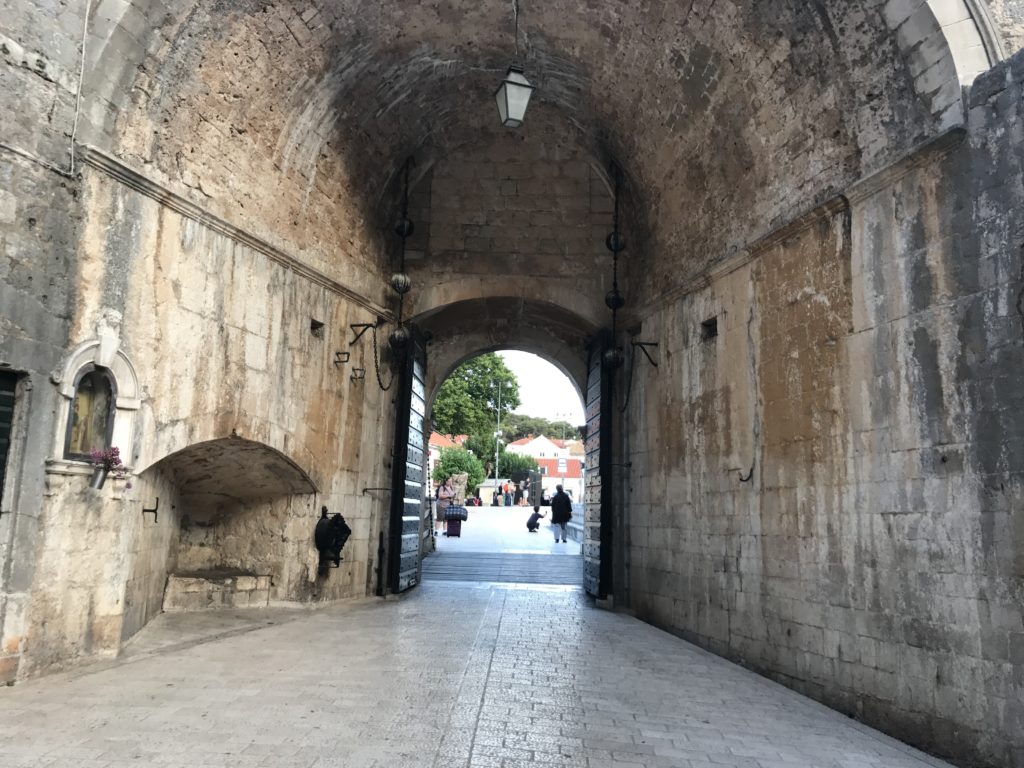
(401, 284)
(614, 357)
(614, 300)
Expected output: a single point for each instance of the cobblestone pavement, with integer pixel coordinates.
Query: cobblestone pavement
(503, 529)
(456, 675)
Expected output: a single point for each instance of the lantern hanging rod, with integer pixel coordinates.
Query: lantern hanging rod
(617, 174)
(409, 162)
(515, 22)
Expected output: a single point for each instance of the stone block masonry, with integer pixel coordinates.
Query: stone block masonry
(836, 503)
(215, 590)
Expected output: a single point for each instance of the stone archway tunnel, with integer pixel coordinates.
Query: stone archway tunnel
(819, 472)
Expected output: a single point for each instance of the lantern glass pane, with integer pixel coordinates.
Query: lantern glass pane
(518, 99)
(499, 97)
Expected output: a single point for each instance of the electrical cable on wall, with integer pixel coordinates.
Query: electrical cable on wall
(31, 156)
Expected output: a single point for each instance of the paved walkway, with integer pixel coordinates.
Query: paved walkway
(496, 547)
(455, 676)
(503, 529)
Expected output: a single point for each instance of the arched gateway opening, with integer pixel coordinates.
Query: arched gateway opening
(519, 444)
(461, 330)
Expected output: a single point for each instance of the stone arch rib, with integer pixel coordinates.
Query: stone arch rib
(946, 44)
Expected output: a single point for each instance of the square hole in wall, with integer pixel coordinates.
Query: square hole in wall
(709, 329)
(316, 328)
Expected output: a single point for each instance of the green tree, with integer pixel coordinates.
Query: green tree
(467, 403)
(509, 463)
(482, 445)
(454, 461)
(517, 426)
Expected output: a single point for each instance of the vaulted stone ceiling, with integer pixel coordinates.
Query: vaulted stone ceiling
(726, 115)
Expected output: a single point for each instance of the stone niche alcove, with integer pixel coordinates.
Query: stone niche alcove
(245, 533)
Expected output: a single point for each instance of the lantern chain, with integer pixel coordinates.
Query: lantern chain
(376, 364)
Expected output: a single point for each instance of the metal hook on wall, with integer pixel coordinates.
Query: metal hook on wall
(154, 510)
(644, 346)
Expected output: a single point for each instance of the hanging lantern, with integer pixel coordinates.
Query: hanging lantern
(613, 358)
(400, 283)
(399, 338)
(513, 96)
(614, 300)
(404, 228)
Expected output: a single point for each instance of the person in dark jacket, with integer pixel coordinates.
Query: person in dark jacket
(561, 513)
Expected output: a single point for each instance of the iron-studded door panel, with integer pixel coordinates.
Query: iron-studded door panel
(408, 472)
(8, 386)
(597, 485)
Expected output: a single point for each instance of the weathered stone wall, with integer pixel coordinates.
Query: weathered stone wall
(39, 227)
(100, 569)
(829, 490)
(509, 252)
(521, 214)
(151, 546)
(1009, 16)
(221, 338)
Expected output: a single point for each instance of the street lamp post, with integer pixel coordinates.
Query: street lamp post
(497, 439)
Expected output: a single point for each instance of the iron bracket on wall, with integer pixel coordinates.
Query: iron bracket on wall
(358, 374)
(153, 510)
(340, 358)
(644, 345)
(359, 329)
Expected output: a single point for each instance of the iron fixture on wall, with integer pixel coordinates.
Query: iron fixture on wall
(400, 282)
(155, 510)
(613, 357)
(330, 536)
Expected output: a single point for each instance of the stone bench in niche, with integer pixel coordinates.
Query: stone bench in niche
(214, 589)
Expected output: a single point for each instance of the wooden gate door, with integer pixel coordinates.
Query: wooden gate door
(597, 544)
(409, 506)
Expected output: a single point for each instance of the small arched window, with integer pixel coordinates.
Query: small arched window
(91, 419)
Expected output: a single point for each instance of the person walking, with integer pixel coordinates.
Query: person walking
(445, 494)
(561, 514)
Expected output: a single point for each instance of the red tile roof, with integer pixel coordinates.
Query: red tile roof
(573, 467)
(438, 440)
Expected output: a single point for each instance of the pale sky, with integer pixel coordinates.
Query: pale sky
(543, 389)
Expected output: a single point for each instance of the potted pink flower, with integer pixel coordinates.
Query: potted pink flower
(107, 462)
